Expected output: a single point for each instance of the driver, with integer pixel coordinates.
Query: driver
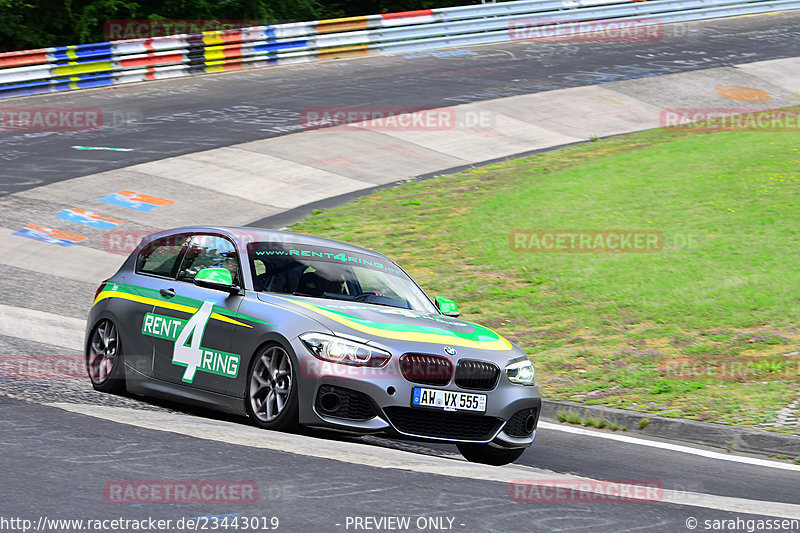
(334, 284)
(323, 279)
(231, 263)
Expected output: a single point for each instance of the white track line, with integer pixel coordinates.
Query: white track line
(39, 326)
(366, 455)
(671, 447)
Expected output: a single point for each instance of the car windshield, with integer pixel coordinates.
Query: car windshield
(322, 272)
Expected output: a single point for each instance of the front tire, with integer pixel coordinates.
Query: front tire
(488, 455)
(104, 362)
(271, 399)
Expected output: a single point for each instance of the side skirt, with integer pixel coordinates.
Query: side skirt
(139, 384)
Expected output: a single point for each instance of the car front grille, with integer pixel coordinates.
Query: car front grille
(338, 402)
(516, 425)
(476, 375)
(442, 425)
(426, 369)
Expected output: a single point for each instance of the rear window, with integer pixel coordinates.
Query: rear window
(160, 257)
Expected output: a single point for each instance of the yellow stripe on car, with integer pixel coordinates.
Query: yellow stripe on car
(166, 305)
(435, 338)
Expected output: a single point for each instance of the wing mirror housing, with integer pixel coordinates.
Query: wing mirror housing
(447, 307)
(216, 278)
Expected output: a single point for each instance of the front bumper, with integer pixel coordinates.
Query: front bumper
(510, 419)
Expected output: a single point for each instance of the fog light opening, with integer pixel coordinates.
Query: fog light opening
(530, 423)
(390, 391)
(330, 402)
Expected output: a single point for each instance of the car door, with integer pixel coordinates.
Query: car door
(156, 264)
(197, 323)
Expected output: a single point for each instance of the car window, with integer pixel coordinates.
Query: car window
(160, 257)
(322, 272)
(370, 281)
(206, 251)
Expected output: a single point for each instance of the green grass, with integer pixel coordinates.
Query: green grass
(612, 328)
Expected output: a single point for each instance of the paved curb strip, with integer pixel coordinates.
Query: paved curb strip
(729, 437)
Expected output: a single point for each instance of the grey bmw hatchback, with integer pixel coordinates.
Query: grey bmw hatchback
(291, 330)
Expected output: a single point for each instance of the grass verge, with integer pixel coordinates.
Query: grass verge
(697, 329)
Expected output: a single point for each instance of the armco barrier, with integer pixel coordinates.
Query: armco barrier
(65, 68)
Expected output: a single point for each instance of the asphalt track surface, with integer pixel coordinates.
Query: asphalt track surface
(161, 119)
(55, 464)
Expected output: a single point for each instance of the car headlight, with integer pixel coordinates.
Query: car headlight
(345, 351)
(521, 372)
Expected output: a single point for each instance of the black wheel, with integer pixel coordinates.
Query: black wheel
(272, 391)
(104, 361)
(488, 455)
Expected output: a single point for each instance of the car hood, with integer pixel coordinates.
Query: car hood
(402, 330)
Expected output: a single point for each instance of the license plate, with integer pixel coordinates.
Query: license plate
(448, 400)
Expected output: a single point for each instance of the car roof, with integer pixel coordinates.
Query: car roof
(246, 235)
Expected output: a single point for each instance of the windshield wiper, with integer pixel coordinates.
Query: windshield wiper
(328, 295)
(348, 298)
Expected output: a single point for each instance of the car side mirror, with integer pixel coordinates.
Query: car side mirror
(447, 307)
(217, 278)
